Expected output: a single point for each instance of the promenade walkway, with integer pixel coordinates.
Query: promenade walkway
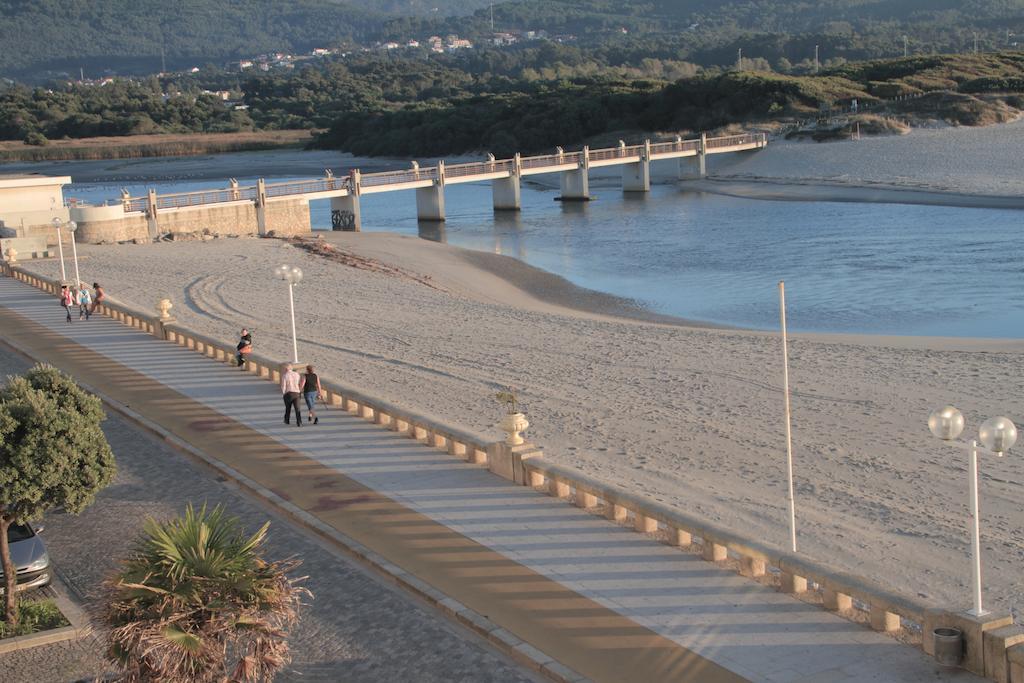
(600, 599)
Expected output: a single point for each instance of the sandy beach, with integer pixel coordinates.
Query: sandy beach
(689, 415)
(975, 167)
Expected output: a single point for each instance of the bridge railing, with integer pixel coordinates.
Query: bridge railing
(397, 177)
(735, 140)
(616, 152)
(679, 146)
(479, 167)
(186, 199)
(546, 160)
(307, 186)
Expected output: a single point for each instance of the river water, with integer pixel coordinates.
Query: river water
(864, 268)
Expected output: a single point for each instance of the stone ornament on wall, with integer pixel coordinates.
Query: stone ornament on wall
(164, 307)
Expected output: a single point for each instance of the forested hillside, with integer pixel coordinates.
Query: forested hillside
(50, 36)
(713, 31)
(129, 35)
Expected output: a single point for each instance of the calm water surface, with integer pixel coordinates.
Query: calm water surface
(873, 268)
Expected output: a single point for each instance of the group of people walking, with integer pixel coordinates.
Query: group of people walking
(81, 298)
(294, 387)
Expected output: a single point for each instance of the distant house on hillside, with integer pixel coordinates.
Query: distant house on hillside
(453, 42)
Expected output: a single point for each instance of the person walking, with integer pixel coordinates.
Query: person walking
(84, 301)
(99, 296)
(290, 389)
(311, 391)
(244, 347)
(67, 300)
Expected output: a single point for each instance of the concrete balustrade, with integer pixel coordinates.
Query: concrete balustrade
(841, 592)
(836, 601)
(884, 620)
(713, 552)
(679, 537)
(645, 524)
(792, 584)
(752, 567)
(615, 513)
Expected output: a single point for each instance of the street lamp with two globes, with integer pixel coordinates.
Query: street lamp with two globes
(292, 276)
(72, 227)
(997, 435)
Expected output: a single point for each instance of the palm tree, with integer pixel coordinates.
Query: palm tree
(195, 601)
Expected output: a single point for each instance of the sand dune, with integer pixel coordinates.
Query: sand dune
(688, 415)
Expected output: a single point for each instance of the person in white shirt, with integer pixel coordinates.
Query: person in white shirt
(291, 392)
(84, 298)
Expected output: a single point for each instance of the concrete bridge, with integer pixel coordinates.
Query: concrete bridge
(284, 207)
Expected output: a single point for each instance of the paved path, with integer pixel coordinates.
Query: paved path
(357, 629)
(599, 598)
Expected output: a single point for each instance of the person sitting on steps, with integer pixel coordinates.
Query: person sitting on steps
(244, 347)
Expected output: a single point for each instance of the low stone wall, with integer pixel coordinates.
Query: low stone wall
(112, 224)
(993, 644)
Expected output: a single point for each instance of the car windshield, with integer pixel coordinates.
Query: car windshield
(18, 532)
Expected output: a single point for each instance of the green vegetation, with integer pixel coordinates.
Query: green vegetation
(163, 145)
(502, 101)
(48, 37)
(121, 107)
(33, 617)
(196, 601)
(52, 454)
(539, 116)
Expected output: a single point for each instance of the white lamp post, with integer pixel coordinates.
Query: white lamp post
(292, 276)
(60, 250)
(997, 435)
(789, 418)
(72, 227)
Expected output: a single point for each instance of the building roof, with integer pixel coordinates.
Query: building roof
(13, 180)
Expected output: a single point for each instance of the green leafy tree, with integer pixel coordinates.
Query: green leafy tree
(196, 602)
(52, 454)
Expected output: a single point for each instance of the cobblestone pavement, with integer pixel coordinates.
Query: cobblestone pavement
(356, 629)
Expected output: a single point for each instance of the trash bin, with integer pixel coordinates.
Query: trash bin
(949, 646)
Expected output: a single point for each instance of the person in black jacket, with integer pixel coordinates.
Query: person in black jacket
(244, 347)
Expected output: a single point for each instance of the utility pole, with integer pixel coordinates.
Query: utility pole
(906, 47)
(492, 17)
(81, 75)
(975, 43)
(163, 59)
(739, 58)
(816, 64)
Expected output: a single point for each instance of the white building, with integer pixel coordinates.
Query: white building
(28, 205)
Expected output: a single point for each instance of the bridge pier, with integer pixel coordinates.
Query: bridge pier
(261, 207)
(507, 194)
(507, 191)
(576, 183)
(637, 177)
(695, 168)
(346, 214)
(152, 229)
(430, 200)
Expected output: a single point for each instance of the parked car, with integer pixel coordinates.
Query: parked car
(28, 552)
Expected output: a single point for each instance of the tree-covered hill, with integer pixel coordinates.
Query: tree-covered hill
(47, 37)
(713, 31)
(63, 35)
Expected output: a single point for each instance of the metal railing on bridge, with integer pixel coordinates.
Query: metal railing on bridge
(416, 174)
